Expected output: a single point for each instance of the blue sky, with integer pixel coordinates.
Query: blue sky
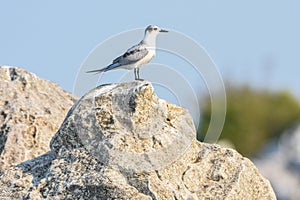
(256, 42)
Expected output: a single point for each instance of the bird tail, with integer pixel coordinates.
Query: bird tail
(105, 69)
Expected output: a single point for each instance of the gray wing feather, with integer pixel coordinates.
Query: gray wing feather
(132, 55)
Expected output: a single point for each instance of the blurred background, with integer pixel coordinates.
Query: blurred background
(254, 44)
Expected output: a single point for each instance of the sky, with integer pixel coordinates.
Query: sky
(255, 42)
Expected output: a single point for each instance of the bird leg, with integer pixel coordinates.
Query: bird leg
(135, 74)
(138, 73)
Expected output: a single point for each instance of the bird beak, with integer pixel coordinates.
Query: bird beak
(164, 31)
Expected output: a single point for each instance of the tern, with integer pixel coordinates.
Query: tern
(136, 56)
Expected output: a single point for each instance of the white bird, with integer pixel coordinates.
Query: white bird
(137, 55)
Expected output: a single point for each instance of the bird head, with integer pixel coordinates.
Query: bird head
(151, 32)
(152, 29)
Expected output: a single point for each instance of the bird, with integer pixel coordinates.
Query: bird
(137, 55)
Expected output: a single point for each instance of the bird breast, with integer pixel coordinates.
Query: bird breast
(150, 55)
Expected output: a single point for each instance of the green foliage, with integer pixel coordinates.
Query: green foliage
(253, 117)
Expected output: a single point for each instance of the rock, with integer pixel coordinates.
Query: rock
(121, 141)
(136, 130)
(280, 163)
(31, 111)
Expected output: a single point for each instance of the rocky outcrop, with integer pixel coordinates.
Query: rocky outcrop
(121, 141)
(31, 111)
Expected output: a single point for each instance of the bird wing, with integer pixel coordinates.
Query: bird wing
(132, 55)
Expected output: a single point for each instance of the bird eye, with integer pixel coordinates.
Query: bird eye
(155, 29)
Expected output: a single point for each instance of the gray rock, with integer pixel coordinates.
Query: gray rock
(31, 111)
(122, 142)
(126, 126)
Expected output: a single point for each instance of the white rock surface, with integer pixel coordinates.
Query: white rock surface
(31, 111)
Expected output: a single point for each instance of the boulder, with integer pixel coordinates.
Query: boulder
(31, 111)
(120, 141)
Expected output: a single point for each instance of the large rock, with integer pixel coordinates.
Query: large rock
(31, 111)
(122, 142)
